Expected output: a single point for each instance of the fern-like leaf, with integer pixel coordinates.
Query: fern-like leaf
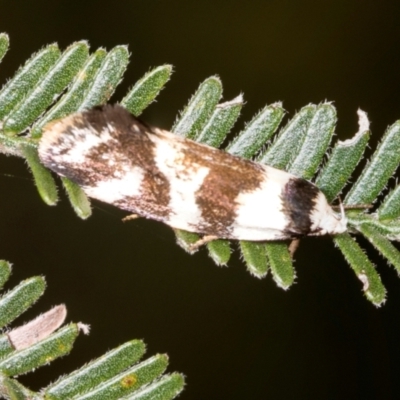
(299, 147)
(117, 374)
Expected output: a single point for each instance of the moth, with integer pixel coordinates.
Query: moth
(118, 159)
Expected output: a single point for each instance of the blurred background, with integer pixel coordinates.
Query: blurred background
(232, 335)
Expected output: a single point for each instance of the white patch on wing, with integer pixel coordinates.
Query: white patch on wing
(324, 218)
(78, 142)
(117, 188)
(80, 148)
(184, 179)
(259, 213)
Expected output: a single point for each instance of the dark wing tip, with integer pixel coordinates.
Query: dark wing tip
(299, 198)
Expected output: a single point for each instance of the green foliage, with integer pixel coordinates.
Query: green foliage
(220, 123)
(4, 44)
(379, 170)
(44, 181)
(27, 78)
(117, 374)
(19, 299)
(79, 200)
(341, 164)
(77, 93)
(257, 132)
(255, 257)
(199, 110)
(299, 147)
(146, 89)
(362, 266)
(40, 96)
(281, 264)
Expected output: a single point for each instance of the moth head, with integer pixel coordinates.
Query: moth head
(325, 220)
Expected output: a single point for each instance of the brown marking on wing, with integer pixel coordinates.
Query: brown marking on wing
(228, 177)
(299, 199)
(129, 148)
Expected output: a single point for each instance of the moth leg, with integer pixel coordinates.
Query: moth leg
(130, 217)
(204, 240)
(294, 244)
(354, 207)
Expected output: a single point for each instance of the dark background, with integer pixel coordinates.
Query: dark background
(233, 336)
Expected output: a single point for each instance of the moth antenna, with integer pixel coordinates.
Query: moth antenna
(343, 215)
(353, 206)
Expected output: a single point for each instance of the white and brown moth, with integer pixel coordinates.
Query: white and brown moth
(118, 159)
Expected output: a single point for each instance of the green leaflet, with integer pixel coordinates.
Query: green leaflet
(43, 179)
(76, 94)
(14, 390)
(221, 122)
(78, 199)
(56, 345)
(166, 388)
(4, 44)
(5, 271)
(255, 257)
(381, 167)
(317, 138)
(26, 78)
(107, 77)
(58, 77)
(363, 268)
(289, 140)
(19, 299)
(146, 89)
(257, 132)
(220, 251)
(94, 373)
(383, 245)
(199, 109)
(341, 164)
(281, 264)
(390, 208)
